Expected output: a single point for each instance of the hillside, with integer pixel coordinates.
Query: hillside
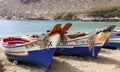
(47, 9)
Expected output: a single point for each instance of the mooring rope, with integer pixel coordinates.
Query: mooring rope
(91, 41)
(63, 40)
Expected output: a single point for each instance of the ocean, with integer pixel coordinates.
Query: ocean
(29, 27)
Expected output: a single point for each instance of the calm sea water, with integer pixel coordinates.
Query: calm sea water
(28, 27)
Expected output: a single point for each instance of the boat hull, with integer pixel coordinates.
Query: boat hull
(80, 51)
(112, 44)
(88, 45)
(42, 58)
(114, 41)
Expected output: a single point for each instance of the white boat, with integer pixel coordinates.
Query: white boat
(85, 44)
(34, 49)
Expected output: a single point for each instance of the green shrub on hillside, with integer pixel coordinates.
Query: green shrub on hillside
(105, 11)
(65, 16)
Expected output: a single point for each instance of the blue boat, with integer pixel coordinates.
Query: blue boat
(81, 44)
(33, 49)
(42, 58)
(114, 39)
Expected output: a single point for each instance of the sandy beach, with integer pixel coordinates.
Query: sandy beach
(108, 61)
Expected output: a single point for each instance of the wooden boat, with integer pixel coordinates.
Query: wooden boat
(82, 44)
(114, 39)
(34, 49)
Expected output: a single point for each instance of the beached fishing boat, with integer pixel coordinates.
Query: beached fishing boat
(34, 49)
(81, 44)
(114, 39)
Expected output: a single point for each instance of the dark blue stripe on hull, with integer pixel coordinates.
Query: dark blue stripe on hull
(79, 51)
(112, 44)
(42, 57)
(114, 36)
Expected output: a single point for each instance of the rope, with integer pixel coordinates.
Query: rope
(107, 40)
(91, 41)
(63, 40)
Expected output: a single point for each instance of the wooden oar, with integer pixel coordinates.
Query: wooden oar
(65, 28)
(55, 29)
(31, 42)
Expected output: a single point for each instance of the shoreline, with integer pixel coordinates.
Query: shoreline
(77, 18)
(84, 20)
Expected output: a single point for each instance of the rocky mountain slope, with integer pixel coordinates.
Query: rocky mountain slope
(46, 9)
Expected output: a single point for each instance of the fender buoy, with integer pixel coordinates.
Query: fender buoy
(102, 36)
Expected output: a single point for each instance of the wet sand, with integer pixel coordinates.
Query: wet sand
(108, 61)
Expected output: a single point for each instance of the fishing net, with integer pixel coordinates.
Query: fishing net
(44, 41)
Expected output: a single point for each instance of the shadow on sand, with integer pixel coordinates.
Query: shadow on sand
(100, 60)
(29, 66)
(1, 67)
(105, 52)
(58, 66)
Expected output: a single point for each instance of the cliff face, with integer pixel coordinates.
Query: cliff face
(46, 9)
